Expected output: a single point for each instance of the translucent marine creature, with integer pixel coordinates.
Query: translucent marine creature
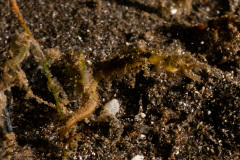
(179, 63)
(78, 77)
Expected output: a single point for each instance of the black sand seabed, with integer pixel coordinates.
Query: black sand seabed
(162, 115)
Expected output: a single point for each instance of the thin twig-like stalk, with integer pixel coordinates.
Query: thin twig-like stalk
(15, 9)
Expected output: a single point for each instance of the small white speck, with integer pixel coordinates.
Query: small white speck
(89, 62)
(209, 112)
(173, 11)
(143, 115)
(90, 49)
(80, 38)
(138, 157)
(177, 152)
(142, 136)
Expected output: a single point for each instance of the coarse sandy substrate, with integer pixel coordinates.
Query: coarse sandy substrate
(162, 115)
